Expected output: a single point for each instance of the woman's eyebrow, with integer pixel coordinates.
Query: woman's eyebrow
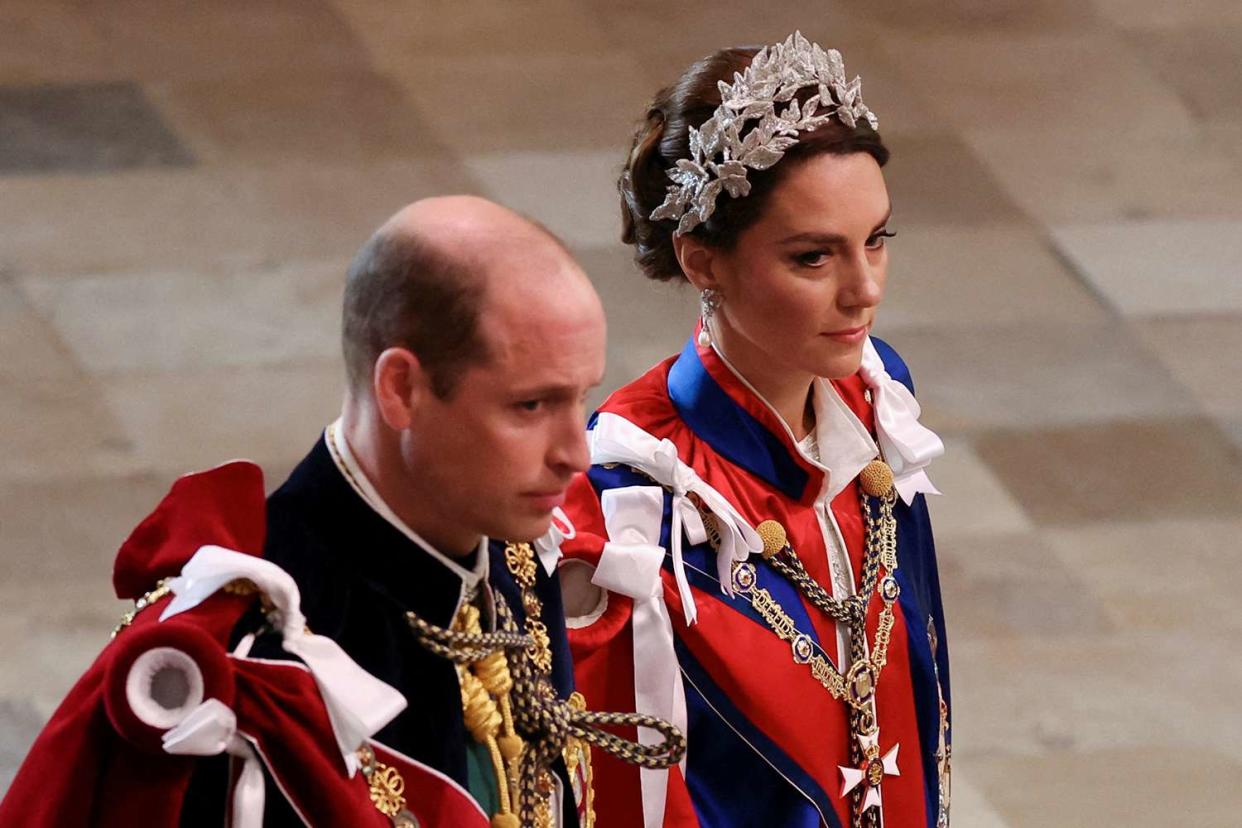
(832, 238)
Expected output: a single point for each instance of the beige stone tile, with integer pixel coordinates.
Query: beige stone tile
(1030, 376)
(936, 179)
(1076, 172)
(393, 30)
(902, 108)
(682, 32)
(225, 38)
(169, 321)
(574, 193)
(1135, 470)
(234, 217)
(540, 105)
(666, 51)
(50, 42)
(647, 320)
(31, 348)
(1233, 429)
(1027, 81)
(1203, 63)
(82, 223)
(1164, 575)
(347, 117)
(1134, 786)
(1011, 584)
(1160, 15)
(970, 808)
(1159, 268)
(20, 723)
(973, 502)
(58, 427)
(195, 420)
(1009, 16)
(51, 634)
(980, 274)
(1036, 696)
(1196, 350)
(70, 529)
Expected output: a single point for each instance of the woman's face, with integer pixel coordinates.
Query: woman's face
(802, 284)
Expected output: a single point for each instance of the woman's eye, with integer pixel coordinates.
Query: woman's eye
(877, 241)
(813, 258)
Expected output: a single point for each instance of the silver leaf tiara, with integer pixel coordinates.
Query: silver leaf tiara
(720, 156)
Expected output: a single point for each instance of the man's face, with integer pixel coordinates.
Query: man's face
(496, 456)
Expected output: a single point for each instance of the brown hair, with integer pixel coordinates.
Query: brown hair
(665, 137)
(402, 291)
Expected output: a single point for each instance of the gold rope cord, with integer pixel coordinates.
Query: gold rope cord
(532, 726)
(857, 685)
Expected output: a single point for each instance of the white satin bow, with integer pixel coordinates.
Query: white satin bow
(358, 704)
(616, 440)
(630, 564)
(908, 446)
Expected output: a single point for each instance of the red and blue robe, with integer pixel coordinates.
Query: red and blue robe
(765, 739)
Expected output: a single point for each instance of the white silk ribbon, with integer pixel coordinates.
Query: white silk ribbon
(908, 446)
(616, 440)
(249, 793)
(358, 704)
(211, 729)
(205, 731)
(630, 565)
(548, 547)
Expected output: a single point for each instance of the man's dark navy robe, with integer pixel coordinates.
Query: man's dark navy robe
(359, 575)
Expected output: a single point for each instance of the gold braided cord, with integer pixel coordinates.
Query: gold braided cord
(863, 672)
(481, 683)
(858, 683)
(537, 725)
(463, 648)
(482, 717)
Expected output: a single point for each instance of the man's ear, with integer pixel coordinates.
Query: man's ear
(698, 262)
(400, 385)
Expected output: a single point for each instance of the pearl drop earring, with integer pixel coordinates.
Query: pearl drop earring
(709, 300)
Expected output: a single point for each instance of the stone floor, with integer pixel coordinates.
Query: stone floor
(182, 184)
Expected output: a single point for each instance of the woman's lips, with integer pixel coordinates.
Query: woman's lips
(848, 336)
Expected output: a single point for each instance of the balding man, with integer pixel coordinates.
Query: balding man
(471, 339)
(424, 672)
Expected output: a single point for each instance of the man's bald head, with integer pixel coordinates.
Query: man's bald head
(421, 281)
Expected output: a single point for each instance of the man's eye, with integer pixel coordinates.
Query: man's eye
(530, 405)
(877, 241)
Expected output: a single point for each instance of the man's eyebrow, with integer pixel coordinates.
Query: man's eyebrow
(833, 238)
(553, 390)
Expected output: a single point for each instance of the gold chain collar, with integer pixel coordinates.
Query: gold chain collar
(857, 685)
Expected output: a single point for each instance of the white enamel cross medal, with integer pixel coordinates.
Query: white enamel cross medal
(874, 769)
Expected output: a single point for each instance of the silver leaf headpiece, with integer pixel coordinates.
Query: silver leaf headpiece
(720, 156)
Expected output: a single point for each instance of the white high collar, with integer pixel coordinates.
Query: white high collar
(842, 441)
(352, 472)
(845, 445)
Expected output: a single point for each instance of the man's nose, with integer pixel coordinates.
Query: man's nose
(569, 451)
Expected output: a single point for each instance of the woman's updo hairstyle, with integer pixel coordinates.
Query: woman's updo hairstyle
(665, 137)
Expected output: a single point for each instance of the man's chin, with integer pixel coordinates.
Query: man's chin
(525, 529)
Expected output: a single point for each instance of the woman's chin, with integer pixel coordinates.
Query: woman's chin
(840, 364)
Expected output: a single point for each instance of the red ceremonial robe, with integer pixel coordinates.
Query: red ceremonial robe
(100, 762)
(765, 739)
